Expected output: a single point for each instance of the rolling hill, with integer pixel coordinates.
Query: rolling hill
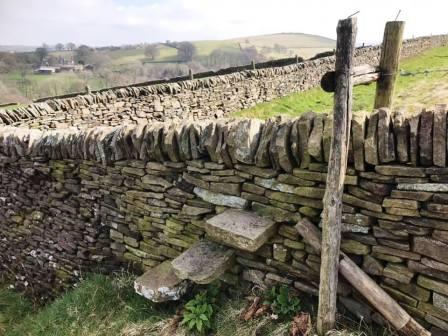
(288, 45)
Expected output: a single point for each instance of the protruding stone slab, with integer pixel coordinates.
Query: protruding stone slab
(204, 262)
(240, 229)
(160, 284)
(220, 199)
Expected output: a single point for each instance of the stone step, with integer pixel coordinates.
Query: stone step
(204, 262)
(240, 229)
(161, 284)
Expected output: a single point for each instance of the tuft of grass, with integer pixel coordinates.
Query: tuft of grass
(228, 322)
(412, 91)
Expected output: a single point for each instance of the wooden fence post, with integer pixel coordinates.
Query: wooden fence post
(389, 61)
(337, 166)
(190, 74)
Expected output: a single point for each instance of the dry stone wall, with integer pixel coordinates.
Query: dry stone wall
(79, 200)
(210, 95)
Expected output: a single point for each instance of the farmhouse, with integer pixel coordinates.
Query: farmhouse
(45, 70)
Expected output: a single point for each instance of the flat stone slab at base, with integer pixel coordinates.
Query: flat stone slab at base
(204, 262)
(240, 229)
(161, 284)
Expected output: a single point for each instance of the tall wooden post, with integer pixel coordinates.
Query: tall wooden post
(337, 166)
(389, 61)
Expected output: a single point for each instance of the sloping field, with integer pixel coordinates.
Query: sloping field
(304, 45)
(423, 82)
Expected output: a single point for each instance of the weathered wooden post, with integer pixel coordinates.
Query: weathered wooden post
(389, 61)
(253, 65)
(337, 166)
(190, 74)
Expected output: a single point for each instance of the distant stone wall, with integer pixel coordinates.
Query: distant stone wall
(73, 201)
(211, 95)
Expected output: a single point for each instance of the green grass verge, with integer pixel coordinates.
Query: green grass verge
(412, 92)
(13, 308)
(100, 306)
(103, 305)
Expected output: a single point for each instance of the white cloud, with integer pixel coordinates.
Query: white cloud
(105, 22)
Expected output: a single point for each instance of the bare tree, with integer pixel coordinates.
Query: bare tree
(186, 51)
(252, 54)
(41, 53)
(152, 51)
(281, 49)
(70, 46)
(82, 54)
(23, 82)
(59, 46)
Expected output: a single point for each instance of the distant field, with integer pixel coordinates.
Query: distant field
(50, 85)
(130, 65)
(304, 45)
(412, 91)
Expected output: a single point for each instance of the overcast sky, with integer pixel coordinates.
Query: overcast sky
(116, 22)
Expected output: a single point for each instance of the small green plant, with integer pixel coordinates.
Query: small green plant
(282, 302)
(198, 312)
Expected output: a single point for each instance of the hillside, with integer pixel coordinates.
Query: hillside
(128, 64)
(422, 83)
(304, 45)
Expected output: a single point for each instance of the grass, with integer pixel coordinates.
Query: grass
(103, 305)
(304, 45)
(13, 308)
(99, 306)
(42, 85)
(412, 91)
